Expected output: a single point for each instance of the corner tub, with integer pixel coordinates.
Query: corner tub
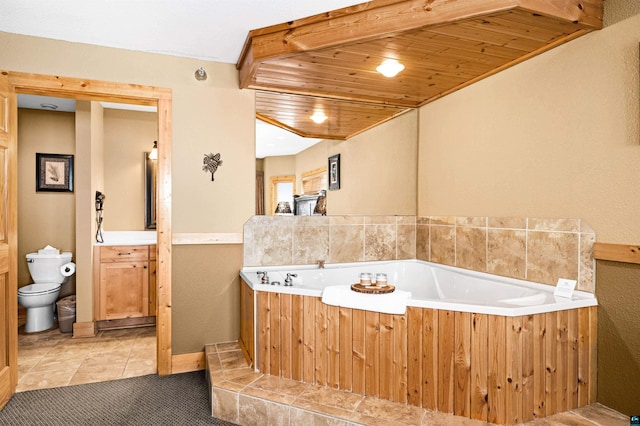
(470, 344)
(430, 285)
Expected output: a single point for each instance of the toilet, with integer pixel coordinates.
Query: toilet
(49, 269)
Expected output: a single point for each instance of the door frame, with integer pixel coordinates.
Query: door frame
(95, 90)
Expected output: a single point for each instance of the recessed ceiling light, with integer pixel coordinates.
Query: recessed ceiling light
(48, 106)
(390, 67)
(318, 117)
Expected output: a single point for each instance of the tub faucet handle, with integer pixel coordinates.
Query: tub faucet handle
(320, 264)
(265, 278)
(289, 281)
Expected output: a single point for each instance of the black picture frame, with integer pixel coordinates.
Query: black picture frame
(334, 172)
(54, 172)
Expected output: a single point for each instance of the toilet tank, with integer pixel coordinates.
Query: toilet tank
(45, 268)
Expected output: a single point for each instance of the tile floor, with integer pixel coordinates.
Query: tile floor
(50, 359)
(242, 396)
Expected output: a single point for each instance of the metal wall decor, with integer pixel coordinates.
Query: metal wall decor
(211, 163)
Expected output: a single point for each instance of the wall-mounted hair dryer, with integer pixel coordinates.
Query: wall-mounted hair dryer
(99, 202)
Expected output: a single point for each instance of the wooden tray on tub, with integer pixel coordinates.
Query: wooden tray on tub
(372, 289)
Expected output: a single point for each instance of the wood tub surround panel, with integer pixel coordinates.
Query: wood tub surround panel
(247, 322)
(504, 370)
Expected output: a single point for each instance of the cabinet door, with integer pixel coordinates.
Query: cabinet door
(124, 290)
(152, 288)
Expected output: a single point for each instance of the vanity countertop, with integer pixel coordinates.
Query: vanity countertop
(128, 238)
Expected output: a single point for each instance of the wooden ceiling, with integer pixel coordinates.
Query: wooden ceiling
(328, 62)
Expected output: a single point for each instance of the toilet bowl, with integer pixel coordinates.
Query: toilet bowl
(39, 300)
(49, 269)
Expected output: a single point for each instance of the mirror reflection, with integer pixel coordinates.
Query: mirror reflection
(378, 169)
(150, 190)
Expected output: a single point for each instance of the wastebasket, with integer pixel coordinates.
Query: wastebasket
(66, 313)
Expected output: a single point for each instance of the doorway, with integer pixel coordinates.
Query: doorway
(21, 83)
(123, 134)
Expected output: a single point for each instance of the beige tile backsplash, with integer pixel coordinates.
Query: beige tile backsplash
(541, 250)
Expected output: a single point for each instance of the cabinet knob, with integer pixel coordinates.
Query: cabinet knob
(145, 266)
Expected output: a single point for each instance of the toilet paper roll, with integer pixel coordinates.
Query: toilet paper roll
(68, 269)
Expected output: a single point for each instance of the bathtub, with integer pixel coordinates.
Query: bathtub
(476, 345)
(430, 285)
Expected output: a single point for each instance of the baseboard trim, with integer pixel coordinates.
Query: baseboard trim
(84, 329)
(185, 363)
(125, 323)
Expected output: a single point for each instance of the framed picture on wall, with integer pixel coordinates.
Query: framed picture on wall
(54, 172)
(334, 172)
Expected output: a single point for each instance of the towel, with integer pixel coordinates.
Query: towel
(389, 303)
(49, 250)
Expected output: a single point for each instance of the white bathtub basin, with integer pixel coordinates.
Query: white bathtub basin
(431, 285)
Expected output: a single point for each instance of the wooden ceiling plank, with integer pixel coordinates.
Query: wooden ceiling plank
(508, 30)
(421, 76)
(531, 29)
(307, 91)
(586, 13)
(348, 59)
(471, 31)
(548, 22)
(295, 75)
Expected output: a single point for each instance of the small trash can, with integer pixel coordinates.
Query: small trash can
(66, 313)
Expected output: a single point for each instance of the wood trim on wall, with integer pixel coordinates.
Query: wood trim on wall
(185, 238)
(95, 90)
(626, 253)
(84, 329)
(185, 363)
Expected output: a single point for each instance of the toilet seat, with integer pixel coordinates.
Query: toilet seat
(38, 289)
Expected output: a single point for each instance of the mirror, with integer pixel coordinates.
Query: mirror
(149, 192)
(378, 169)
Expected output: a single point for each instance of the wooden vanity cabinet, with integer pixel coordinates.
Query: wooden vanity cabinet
(124, 282)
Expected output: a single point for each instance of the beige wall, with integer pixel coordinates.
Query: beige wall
(618, 333)
(44, 217)
(206, 273)
(556, 136)
(210, 116)
(128, 135)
